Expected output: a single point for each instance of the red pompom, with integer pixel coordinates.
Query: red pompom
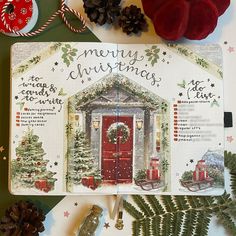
(194, 19)
(203, 17)
(221, 5)
(151, 6)
(173, 25)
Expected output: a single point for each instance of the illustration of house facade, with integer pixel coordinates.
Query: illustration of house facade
(125, 126)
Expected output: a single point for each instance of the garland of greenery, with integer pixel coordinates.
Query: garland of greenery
(114, 129)
(184, 215)
(149, 99)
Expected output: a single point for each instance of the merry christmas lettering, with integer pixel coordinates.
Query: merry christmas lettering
(197, 90)
(34, 90)
(117, 66)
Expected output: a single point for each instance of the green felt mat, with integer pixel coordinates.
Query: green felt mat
(56, 32)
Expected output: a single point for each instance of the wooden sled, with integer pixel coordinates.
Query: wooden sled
(195, 186)
(148, 185)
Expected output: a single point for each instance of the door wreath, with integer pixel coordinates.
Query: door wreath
(114, 130)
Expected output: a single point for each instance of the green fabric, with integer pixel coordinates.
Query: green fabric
(56, 32)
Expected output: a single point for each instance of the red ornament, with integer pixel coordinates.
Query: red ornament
(18, 158)
(38, 163)
(18, 14)
(193, 19)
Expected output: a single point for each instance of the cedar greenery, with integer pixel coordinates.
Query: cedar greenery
(184, 215)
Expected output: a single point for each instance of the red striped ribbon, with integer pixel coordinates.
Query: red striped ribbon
(61, 12)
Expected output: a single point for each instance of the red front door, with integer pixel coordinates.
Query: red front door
(117, 149)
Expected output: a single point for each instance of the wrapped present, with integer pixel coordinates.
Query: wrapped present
(89, 182)
(200, 175)
(201, 165)
(153, 174)
(154, 163)
(41, 184)
(200, 172)
(47, 189)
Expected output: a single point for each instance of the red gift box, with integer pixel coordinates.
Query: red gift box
(200, 172)
(200, 175)
(41, 184)
(88, 181)
(154, 163)
(153, 174)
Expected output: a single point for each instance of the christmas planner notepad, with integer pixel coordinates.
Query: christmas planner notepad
(96, 118)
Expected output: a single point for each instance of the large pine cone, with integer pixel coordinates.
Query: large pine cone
(22, 219)
(102, 11)
(132, 20)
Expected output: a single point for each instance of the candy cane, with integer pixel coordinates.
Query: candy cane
(64, 8)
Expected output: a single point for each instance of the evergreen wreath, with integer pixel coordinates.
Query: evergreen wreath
(114, 129)
(184, 215)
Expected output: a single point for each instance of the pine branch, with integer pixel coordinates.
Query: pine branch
(184, 215)
(194, 202)
(156, 225)
(168, 203)
(233, 183)
(226, 220)
(146, 224)
(189, 223)
(176, 223)
(136, 226)
(144, 207)
(230, 163)
(166, 229)
(156, 206)
(202, 224)
(132, 210)
(181, 202)
(172, 217)
(206, 201)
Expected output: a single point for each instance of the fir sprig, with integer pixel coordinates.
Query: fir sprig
(230, 163)
(184, 215)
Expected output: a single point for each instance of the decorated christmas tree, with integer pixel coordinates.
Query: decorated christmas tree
(81, 161)
(29, 168)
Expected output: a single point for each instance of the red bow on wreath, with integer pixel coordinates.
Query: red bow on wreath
(15, 15)
(193, 19)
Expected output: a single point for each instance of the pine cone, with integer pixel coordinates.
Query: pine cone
(132, 20)
(102, 11)
(22, 219)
